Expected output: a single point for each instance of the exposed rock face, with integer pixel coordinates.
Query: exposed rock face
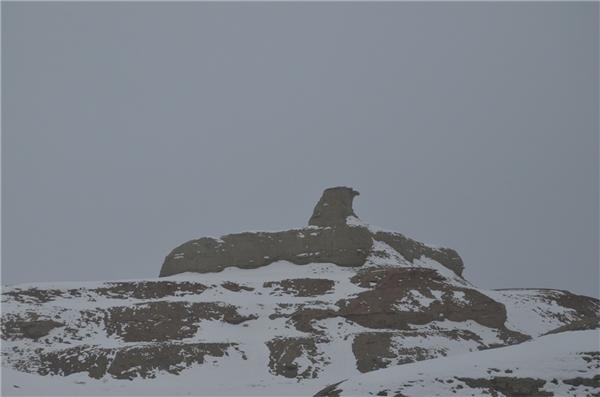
(510, 386)
(334, 207)
(32, 329)
(285, 352)
(330, 238)
(373, 350)
(301, 286)
(164, 321)
(375, 308)
(144, 361)
(344, 246)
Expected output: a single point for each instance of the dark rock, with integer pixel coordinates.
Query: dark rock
(509, 386)
(128, 362)
(330, 391)
(411, 250)
(35, 295)
(577, 325)
(373, 350)
(376, 308)
(285, 351)
(303, 318)
(235, 287)
(302, 286)
(579, 381)
(344, 246)
(164, 321)
(145, 361)
(148, 289)
(84, 358)
(328, 240)
(32, 329)
(334, 207)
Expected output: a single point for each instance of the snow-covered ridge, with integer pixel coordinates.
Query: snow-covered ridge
(239, 320)
(270, 313)
(565, 364)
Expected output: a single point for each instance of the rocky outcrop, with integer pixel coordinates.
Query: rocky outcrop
(333, 236)
(145, 361)
(299, 309)
(285, 354)
(344, 246)
(334, 207)
(301, 287)
(165, 321)
(509, 386)
(32, 329)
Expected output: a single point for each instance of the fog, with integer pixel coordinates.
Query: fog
(129, 128)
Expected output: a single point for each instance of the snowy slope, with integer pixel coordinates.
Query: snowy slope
(278, 337)
(565, 364)
(282, 313)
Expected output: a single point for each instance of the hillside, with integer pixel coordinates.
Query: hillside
(565, 364)
(285, 313)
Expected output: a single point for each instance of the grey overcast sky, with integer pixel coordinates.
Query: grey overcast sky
(129, 128)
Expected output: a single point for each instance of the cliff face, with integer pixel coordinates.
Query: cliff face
(334, 235)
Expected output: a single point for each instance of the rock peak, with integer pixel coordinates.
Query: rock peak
(334, 206)
(331, 238)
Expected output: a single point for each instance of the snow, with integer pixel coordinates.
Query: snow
(533, 312)
(383, 254)
(252, 376)
(549, 357)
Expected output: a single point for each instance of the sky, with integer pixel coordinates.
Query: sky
(130, 128)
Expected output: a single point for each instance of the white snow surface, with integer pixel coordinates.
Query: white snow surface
(549, 357)
(232, 375)
(533, 311)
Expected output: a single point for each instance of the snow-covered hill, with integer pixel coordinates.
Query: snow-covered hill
(565, 364)
(286, 326)
(281, 329)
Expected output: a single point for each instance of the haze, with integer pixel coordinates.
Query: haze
(129, 128)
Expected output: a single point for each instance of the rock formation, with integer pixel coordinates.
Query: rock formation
(292, 312)
(334, 207)
(334, 235)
